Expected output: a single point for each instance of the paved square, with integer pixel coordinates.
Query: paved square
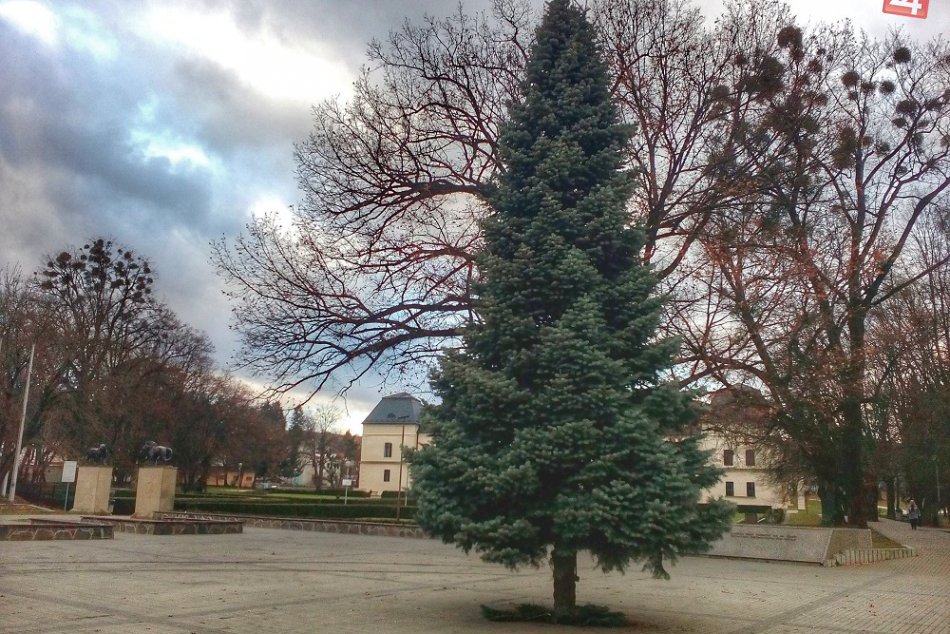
(284, 582)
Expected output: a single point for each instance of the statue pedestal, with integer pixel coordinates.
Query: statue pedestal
(93, 485)
(155, 490)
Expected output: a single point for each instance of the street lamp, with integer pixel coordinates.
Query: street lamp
(19, 440)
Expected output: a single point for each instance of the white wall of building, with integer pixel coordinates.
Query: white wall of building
(379, 472)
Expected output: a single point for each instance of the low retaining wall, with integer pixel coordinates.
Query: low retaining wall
(805, 544)
(782, 543)
(825, 546)
(172, 526)
(323, 526)
(860, 556)
(45, 530)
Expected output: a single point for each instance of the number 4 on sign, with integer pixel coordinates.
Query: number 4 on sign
(909, 8)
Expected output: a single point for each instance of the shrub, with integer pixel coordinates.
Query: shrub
(288, 509)
(295, 497)
(585, 616)
(340, 493)
(123, 506)
(392, 495)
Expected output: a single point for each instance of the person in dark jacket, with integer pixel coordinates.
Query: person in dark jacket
(913, 514)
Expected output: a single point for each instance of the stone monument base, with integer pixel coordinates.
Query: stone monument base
(155, 491)
(789, 543)
(93, 485)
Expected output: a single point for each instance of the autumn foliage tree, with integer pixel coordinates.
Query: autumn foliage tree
(851, 136)
(114, 365)
(24, 324)
(909, 355)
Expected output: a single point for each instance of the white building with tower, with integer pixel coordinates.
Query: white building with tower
(392, 426)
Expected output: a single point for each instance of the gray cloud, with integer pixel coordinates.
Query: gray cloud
(76, 122)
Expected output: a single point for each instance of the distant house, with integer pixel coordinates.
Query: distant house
(391, 426)
(394, 424)
(731, 424)
(221, 475)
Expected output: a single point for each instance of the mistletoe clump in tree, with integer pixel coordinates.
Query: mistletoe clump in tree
(554, 434)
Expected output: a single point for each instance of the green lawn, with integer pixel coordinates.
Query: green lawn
(811, 516)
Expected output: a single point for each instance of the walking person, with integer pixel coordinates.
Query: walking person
(913, 514)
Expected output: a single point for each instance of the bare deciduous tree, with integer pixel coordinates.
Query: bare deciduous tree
(376, 268)
(853, 158)
(320, 439)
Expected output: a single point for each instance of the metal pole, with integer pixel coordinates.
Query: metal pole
(402, 442)
(19, 440)
(6, 478)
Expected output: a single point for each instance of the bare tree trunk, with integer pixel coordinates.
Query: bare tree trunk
(832, 502)
(855, 448)
(564, 563)
(891, 499)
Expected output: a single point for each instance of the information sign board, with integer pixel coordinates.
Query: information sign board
(69, 471)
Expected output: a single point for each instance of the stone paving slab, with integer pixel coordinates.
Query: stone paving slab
(286, 582)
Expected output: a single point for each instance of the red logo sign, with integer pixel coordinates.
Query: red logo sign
(908, 8)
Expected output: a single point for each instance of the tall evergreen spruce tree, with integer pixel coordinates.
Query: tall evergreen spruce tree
(554, 434)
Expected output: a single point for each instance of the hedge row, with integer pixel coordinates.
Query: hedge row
(123, 506)
(340, 493)
(322, 511)
(392, 495)
(280, 499)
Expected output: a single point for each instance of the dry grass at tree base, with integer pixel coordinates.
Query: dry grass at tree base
(586, 615)
(21, 508)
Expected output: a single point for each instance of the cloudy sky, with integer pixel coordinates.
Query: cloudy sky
(168, 124)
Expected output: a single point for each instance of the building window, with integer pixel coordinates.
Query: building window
(727, 457)
(388, 450)
(730, 489)
(750, 457)
(750, 489)
(386, 474)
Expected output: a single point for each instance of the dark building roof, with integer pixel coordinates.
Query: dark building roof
(397, 409)
(741, 394)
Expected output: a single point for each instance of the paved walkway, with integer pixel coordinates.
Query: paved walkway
(285, 582)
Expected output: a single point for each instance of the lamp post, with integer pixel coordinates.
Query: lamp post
(402, 442)
(19, 439)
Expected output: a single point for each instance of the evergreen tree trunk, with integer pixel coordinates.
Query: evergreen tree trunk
(564, 562)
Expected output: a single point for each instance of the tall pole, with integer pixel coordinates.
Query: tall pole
(3, 483)
(19, 439)
(402, 442)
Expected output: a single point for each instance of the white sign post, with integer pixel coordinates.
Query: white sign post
(69, 475)
(347, 483)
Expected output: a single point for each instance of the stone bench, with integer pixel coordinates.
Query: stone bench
(176, 526)
(47, 530)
